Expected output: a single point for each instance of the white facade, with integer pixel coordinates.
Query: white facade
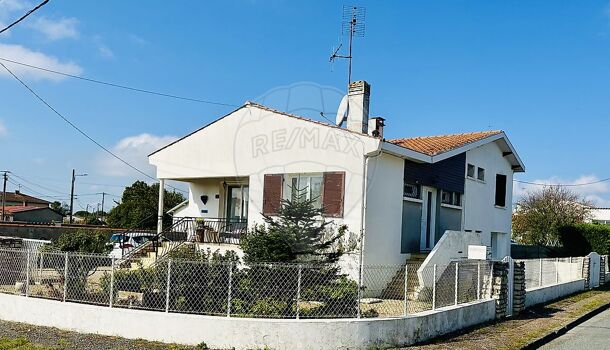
(480, 214)
(600, 216)
(239, 149)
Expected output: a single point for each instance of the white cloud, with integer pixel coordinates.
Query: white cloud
(24, 55)
(105, 52)
(134, 150)
(64, 28)
(597, 193)
(3, 131)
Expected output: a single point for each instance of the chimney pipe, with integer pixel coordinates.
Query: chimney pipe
(359, 93)
(376, 125)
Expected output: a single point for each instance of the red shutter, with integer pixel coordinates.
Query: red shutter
(332, 198)
(272, 193)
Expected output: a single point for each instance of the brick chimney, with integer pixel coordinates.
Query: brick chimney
(359, 93)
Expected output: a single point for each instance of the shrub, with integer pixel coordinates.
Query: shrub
(269, 307)
(582, 239)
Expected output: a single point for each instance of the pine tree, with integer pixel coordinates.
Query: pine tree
(299, 233)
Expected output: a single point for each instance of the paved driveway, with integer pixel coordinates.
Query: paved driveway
(590, 335)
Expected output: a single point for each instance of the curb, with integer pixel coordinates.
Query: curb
(563, 330)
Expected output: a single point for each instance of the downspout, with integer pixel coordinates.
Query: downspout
(363, 216)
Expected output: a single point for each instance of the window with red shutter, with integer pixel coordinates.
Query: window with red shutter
(333, 194)
(272, 193)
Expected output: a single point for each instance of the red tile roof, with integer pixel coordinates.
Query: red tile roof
(18, 208)
(20, 197)
(433, 145)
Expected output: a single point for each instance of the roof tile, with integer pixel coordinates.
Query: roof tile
(433, 145)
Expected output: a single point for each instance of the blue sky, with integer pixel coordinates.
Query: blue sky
(538, 70)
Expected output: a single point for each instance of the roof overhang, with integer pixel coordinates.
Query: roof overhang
(508, 151)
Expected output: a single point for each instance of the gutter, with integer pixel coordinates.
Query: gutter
(365, 160)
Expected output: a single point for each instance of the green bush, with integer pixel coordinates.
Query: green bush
(269, 307)
(582, 239)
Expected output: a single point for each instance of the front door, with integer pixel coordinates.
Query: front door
(428, 218)
(237, 202)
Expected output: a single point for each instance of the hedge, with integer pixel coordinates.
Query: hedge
(582, 239)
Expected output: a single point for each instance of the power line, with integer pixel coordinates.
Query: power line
(24, 16)
(38, 185)
(563, 185)
(120, 86)
(78, 129)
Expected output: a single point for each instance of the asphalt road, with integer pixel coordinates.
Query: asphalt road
(590, 335)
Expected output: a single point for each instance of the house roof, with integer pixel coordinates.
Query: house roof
(433, 145)
(20, 197)
(19, 209)
(428, 148)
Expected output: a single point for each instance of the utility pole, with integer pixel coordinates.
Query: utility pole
(72, 197)
(74, 175)
(103, 213)
(5, 177)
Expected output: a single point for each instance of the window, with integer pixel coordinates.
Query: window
(501, 190)
(452, 198)
(308, 185)
(412, 190)
(481, 174)
(470, 171)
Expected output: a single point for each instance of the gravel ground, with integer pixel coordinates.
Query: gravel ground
(57, 339)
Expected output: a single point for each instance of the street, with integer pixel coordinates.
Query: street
(592, 334)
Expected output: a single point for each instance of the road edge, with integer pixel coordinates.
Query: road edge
(563, 330)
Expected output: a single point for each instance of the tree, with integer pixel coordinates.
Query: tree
(540, 214)
(61, 208)
(139, 206)
(296, 235)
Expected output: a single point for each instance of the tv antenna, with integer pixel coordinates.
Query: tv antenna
(352, 25)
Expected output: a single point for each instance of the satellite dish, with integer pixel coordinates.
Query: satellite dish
(342, 111)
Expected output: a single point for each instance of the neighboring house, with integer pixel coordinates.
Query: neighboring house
(600, 216)
(19, 199)
(31, 214)
(401, 194)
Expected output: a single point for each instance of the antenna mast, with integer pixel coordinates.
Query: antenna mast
(353, 25)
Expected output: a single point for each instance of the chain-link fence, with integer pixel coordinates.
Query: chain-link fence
(607, 264)
(236, 290)
(546, 272)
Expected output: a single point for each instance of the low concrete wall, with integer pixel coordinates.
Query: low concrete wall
(545, 294)
(244, 333)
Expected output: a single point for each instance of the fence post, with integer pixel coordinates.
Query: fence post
(434, 287)
(478, 280)
(406, 287)
(556, 270)
(457, 266)
(169, 273)
(299, 291)
(360, 268)
(229, 289)
(65, 275)
(112, 283)
(540, 276)
(27, 274)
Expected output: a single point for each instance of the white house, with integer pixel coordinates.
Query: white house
(400, 195)
(600, 216)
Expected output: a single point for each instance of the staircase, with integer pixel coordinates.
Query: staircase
(395, 289)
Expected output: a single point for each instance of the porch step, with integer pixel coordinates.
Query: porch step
(395, 289)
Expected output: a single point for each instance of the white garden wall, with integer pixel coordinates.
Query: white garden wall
(244, 333)
(543, 295)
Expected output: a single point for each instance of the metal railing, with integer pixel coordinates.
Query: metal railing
(231, 289)
(550, 271)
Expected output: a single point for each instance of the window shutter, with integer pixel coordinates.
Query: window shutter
(333, 193)
(272, 193)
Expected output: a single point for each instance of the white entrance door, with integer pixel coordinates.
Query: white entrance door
(428, 219)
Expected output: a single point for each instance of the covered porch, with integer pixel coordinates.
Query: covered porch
(216, 211)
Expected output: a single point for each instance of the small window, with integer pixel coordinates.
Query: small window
(481, 174)
(452, 198)
(308, 185)
(412, 190)
(500, 190)
(470, 171)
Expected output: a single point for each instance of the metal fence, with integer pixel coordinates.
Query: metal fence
(232, 289)
(607, 264)
(550, 271)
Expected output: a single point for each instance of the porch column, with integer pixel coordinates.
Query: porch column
(160, 214)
